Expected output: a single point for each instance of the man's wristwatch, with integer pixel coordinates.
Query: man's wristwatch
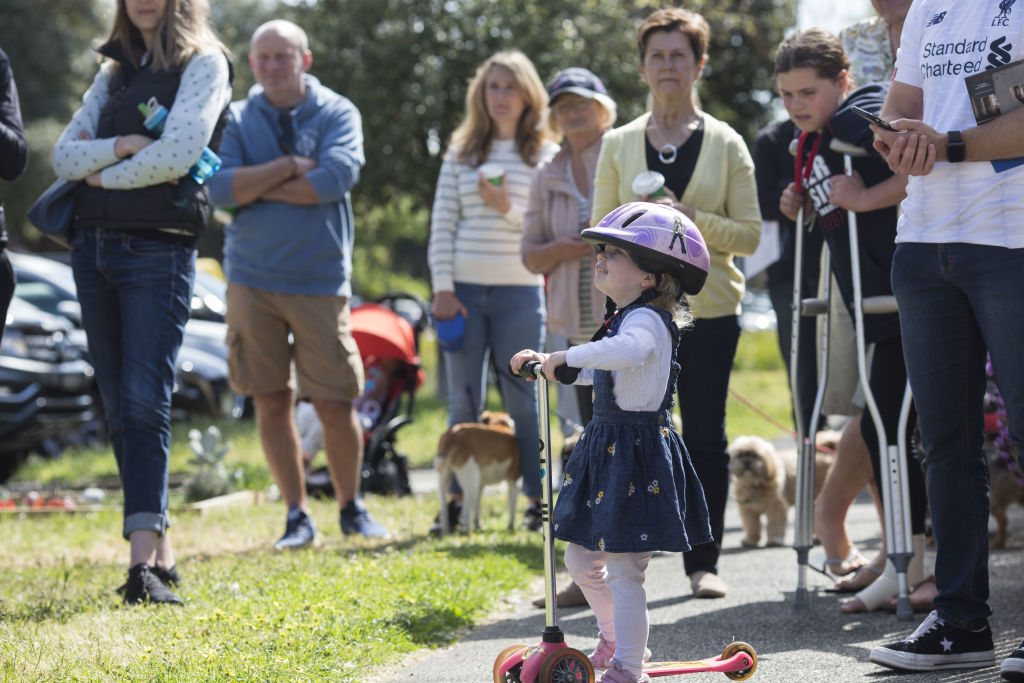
(955, 148)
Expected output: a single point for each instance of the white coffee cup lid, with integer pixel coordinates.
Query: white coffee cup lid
(647, 182)
(492, 170)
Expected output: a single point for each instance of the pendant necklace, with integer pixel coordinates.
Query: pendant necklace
(668, 152)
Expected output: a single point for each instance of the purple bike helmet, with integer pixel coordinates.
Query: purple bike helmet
(660, 240)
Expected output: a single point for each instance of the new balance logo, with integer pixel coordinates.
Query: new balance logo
(936, 19)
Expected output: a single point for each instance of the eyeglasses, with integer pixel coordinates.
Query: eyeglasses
(575, 105)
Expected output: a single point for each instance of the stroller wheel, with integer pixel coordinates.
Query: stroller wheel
(512, 675)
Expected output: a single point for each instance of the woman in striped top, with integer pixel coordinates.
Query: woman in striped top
(475, 232)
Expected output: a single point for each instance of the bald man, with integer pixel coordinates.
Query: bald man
(292, 151)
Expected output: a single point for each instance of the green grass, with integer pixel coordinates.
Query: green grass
(331, 613)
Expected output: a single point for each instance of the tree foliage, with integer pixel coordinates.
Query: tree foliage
(406, 65)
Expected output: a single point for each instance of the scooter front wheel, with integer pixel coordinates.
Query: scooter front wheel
(566, 666)
(736, 648)
(512, 675)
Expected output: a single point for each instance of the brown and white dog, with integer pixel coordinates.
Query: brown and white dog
(477, 454)
(764, 484)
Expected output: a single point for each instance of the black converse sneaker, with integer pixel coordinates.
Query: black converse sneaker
(938, 645)
(1012, 667)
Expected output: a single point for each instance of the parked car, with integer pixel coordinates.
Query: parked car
(47, 391)
(201, 385)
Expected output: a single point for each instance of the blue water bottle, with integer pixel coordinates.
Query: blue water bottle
(156, 114)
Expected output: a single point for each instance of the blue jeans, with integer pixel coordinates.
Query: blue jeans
(135, 295)
(956, 301)
(706, 352)
(502, 321)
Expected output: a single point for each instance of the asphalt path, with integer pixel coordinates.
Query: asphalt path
(816, 643)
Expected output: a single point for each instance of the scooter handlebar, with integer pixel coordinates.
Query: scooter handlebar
(565, 374)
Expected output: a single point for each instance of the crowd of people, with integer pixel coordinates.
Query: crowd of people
(620, 242)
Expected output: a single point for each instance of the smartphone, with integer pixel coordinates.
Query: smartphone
(878, 121)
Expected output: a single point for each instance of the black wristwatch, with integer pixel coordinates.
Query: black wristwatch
(955, 148)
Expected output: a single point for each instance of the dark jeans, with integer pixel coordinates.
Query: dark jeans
(135, 295)
(7, 282)
(781, 295)
(957, 301)
(706, 352)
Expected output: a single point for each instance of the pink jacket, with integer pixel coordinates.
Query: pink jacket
(552, 212)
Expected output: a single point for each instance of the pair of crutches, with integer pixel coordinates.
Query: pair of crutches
(895, 497)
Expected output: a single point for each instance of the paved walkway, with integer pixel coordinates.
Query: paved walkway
(817, 643)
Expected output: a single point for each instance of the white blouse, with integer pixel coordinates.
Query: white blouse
(638, 355)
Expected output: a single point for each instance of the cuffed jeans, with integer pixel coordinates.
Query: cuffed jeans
(956, 301)
(502, 321)
(135, 295)
(706, 352)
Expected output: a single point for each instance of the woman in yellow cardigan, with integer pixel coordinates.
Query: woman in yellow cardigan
(709, 176)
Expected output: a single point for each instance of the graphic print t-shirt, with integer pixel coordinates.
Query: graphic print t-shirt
(943, 42)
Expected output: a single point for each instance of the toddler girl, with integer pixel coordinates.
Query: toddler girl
(629, 487)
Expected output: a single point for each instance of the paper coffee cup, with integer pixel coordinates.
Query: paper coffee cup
(650, 183)
(493, 172)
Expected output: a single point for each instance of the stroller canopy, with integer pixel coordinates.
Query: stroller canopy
(381, 333)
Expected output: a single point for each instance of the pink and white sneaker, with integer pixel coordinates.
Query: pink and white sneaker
(616, 674)
(601, 658)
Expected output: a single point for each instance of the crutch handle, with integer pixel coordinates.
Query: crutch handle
(879, 304)
(531, 368)
(813, 307)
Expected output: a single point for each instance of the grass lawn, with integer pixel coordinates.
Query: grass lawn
(328, 613)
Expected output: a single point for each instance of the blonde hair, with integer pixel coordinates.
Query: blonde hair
(183, 32)
(670, 296)
(473, 137)
(605, 119)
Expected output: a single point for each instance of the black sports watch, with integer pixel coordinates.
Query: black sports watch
(955, 148)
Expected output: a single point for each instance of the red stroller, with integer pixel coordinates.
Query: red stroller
(387, 332)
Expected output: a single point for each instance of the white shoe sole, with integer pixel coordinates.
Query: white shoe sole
(913, 662)
(1012, 669)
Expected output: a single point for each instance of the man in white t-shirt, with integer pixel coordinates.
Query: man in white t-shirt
(958, 276)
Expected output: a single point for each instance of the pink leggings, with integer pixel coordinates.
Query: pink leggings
(613, 584)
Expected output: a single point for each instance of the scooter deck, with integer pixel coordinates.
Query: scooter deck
(734, 663)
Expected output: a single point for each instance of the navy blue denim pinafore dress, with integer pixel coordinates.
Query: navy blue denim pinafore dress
(629, 485)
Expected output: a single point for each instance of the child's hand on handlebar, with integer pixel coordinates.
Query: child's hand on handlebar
(551, 364)
(517, 361)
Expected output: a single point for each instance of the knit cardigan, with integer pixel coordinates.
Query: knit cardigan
(722, 190)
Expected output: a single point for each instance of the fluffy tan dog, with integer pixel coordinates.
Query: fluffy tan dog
(477, 454)
(764, 484)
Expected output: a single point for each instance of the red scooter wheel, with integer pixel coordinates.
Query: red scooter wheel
(735, 648)
(512, 675)
(566, 666)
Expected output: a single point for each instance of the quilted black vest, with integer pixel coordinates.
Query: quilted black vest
(181, 206)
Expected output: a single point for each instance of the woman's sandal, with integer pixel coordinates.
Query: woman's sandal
(862, 578)
(920, 597)
(847, 565)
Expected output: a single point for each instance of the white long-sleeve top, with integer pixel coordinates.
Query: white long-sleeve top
(202, 95)
(471, 242)
(639, 356)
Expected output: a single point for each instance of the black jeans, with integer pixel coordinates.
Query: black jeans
(706, 352)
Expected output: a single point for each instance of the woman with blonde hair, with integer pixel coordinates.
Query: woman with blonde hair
(475, 231)
(709, 176)
(138, 213)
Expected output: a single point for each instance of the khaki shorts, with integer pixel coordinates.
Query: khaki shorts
(327, 362)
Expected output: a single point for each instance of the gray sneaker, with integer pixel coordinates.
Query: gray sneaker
(355, 519)
(299, 531)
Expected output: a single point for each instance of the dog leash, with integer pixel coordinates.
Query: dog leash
(742, 399)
